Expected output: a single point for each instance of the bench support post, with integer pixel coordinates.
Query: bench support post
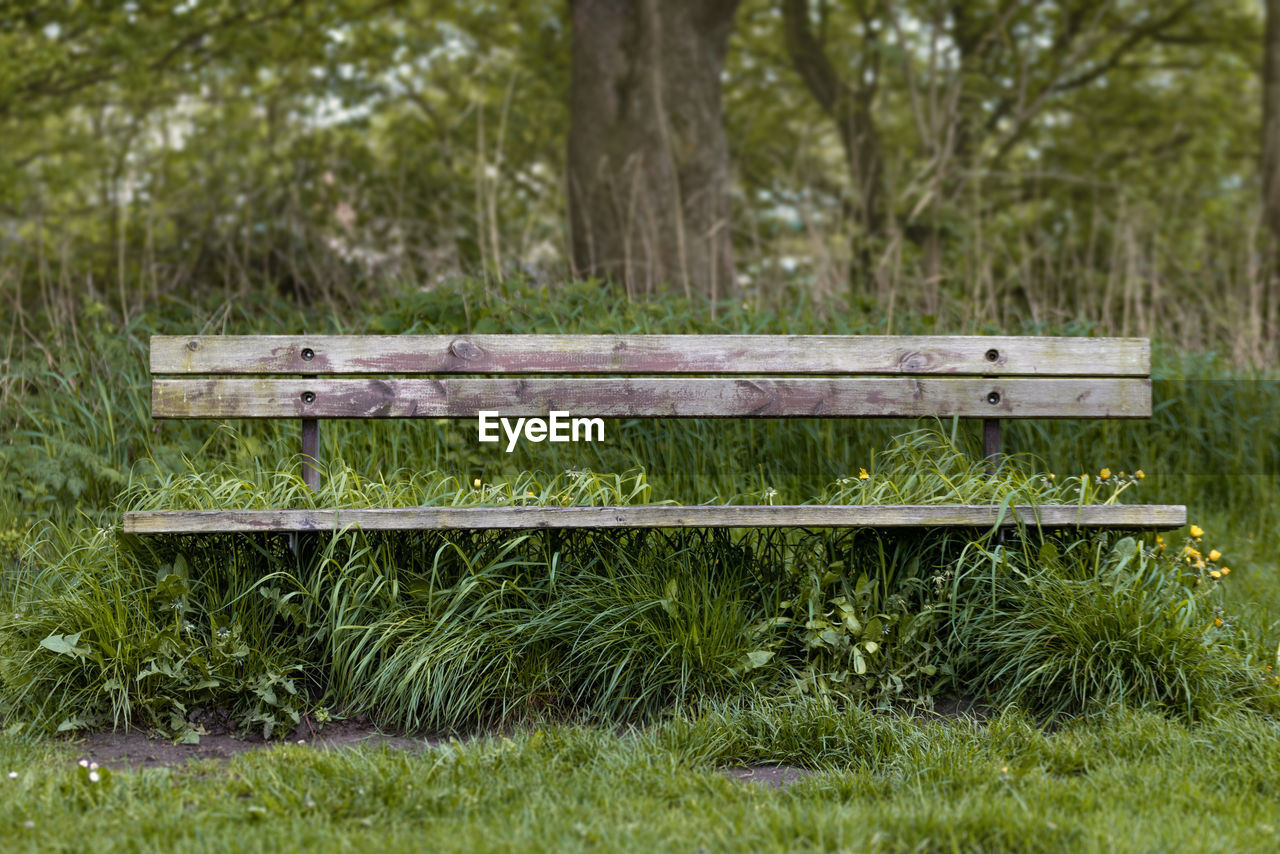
(991, 444)
(311, 453)
(302, 543)
(991, 447)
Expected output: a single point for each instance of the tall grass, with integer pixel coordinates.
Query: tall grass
(459, 630)
(1089, 625)
(450, 631)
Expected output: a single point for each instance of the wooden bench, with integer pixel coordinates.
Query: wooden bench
(311, 378)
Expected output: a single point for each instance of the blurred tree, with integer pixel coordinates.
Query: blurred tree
(1271, 121)
(648, 164)
(974, 84)
(982, 161)
(847, 98)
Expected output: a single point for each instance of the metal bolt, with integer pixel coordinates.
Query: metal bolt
(193, 345)
(308, 397)
(308, 354)
(993, 398)
(993, 354)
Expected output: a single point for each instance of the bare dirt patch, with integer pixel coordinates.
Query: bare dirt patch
(772, 776)
(140, 749)
(957, 708)
(137, 748)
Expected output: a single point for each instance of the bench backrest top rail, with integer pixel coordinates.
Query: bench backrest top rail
(833, 355)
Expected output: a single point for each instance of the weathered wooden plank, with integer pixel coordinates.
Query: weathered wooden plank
(652, 516)
(650, 354)
(695, 397)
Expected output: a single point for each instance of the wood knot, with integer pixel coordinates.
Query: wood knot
(913, 361)
(464, 349)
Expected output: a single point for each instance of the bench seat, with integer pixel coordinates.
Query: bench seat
(1152, 516)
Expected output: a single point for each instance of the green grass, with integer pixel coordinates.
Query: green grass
(453, 631)
(883, 782)
(632, 663)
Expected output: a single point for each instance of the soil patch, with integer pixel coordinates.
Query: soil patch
(140, 749)
(771, 776)
(954, 707)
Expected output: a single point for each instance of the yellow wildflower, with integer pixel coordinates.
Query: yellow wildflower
(1104, 474)
(1197, 531)
(1217, 621)
(476, 483)
(1226, 570)
(1214, 555)
(862, 474)
(1139, 474)
(1216, 574)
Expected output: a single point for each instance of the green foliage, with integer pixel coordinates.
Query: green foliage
(1097, 623)
(453, 631)
(98, 634)
(449, 631)
(361, 144)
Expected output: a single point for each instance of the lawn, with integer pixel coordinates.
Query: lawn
(877, 782)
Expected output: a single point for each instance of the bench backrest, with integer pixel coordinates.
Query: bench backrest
(683, 376)
(768, 376)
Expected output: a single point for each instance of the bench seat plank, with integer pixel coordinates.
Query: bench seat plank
(701, 397)
(650, 354)
(1132, 516)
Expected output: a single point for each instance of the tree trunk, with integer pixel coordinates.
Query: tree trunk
(648, 166)
(1271, 121)
(848, 100)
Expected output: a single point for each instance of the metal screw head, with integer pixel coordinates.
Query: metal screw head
(308, 354)
(993, 354)
(308, 397)
(193, 345)
(993, 398)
